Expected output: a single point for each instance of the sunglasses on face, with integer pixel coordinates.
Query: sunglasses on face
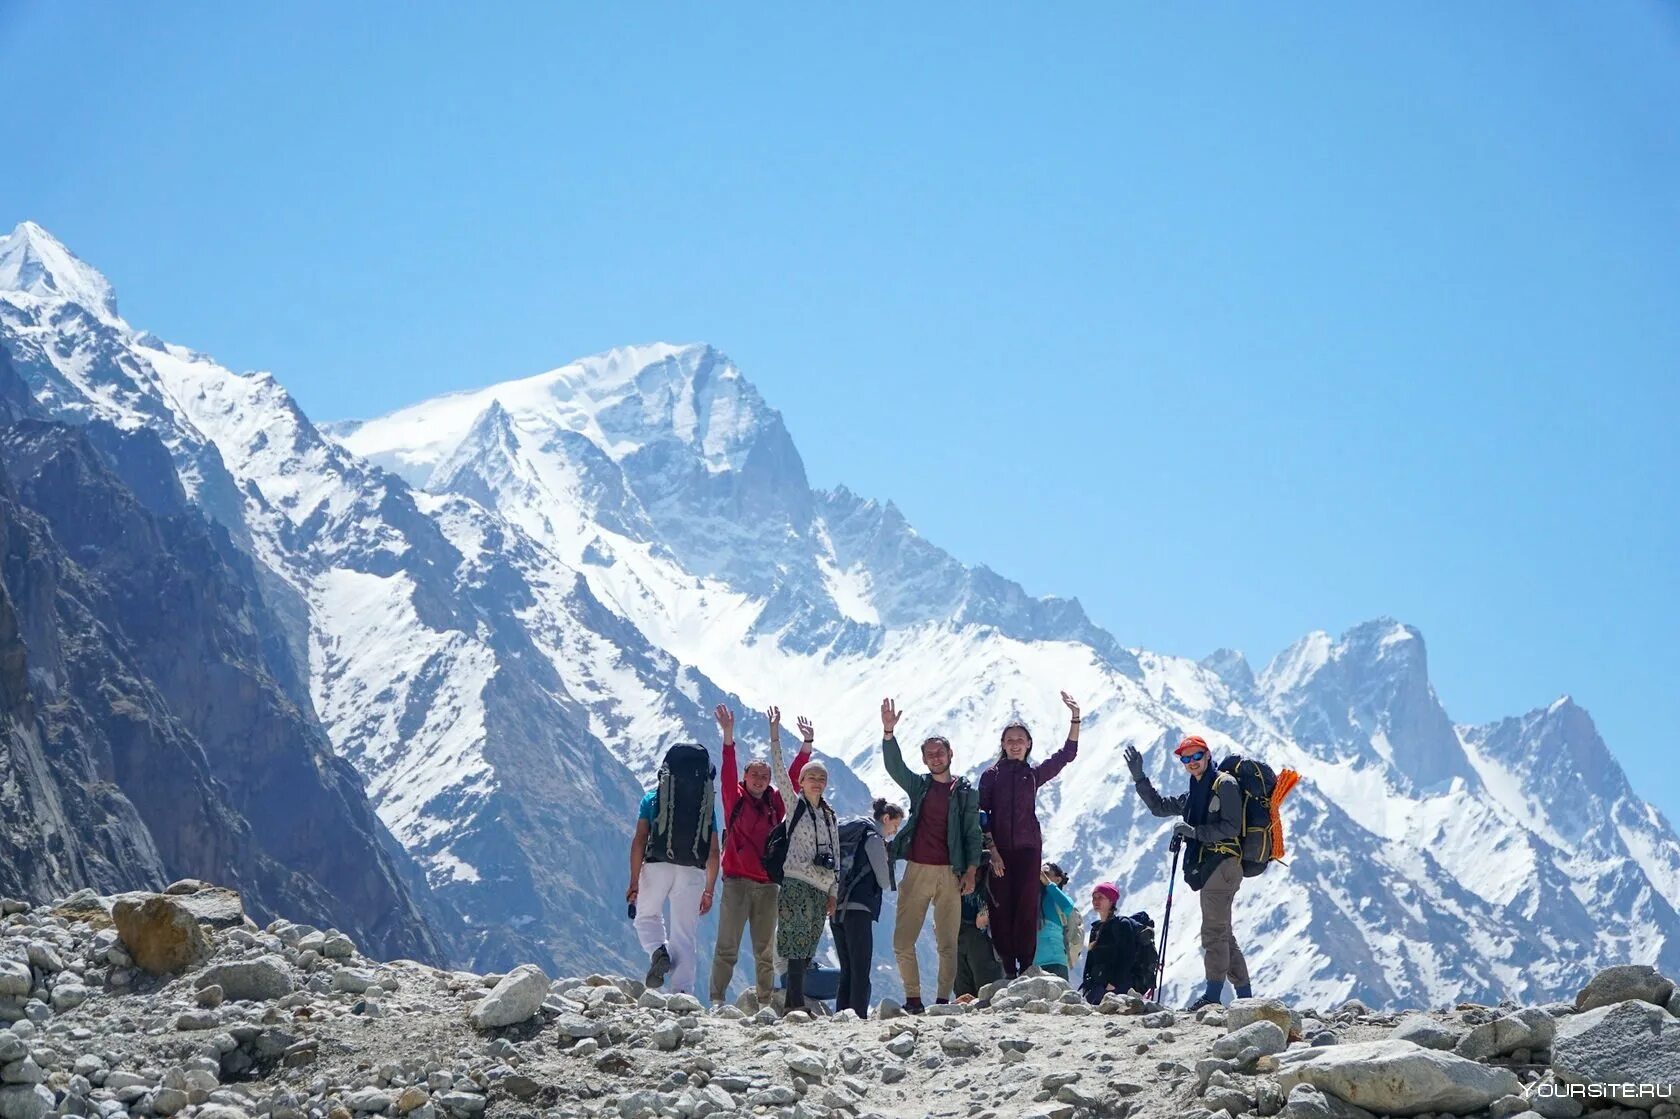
(1186, 759)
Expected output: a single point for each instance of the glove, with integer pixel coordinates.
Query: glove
(1184, 830)
(1134, 762)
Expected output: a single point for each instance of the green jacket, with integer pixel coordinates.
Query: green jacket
(963, 824)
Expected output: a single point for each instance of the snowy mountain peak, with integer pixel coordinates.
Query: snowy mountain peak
(1231, 667)
(34, 261)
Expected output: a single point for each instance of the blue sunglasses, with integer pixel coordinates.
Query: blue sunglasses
(1186, 759)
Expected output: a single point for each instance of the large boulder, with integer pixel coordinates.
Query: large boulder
(1631, 1048)
(517, 997)
(25, 1101)
(160, 934)
(1421, 1029)
(1396, 1077)
(214, 906)
(1530, 1028)
(1624, 982)
(258, 980)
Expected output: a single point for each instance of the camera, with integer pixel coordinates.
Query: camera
(824, 859)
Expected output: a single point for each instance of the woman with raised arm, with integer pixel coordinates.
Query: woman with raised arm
(810, 882)
(1009, 796)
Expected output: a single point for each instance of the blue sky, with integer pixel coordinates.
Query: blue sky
(1235, 322)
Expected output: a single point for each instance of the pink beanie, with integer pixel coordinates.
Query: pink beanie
(1110, 889)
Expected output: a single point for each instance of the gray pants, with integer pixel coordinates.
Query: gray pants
(1221, 958)
(746, 902)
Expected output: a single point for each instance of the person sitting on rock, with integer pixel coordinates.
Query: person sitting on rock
(942, 847)
(1121, 950)
(1212, 817)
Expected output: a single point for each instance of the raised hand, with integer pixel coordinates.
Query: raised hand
(725, 722)
(775, 717)
(807, 733)
(1134, 762)
(889, 717)
(1072, 706)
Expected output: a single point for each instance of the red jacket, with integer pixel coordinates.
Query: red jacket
(746, 832)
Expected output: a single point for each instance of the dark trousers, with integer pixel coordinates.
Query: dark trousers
(977, 964)
(1014, 910)
(854, 943)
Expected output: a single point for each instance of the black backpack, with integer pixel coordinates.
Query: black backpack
(857, 876)
(681, 831)
(1142, 958)
(1257, 780)
(776, 847)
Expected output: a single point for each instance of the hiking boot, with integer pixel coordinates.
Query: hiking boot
(658, 964)
(913, 1006)
(941, 1002)
(1201, 1002)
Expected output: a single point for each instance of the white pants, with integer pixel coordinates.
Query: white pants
(681, 885)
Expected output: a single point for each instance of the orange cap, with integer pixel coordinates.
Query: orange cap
(1194, 742)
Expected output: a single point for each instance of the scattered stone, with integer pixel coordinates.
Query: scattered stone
(214, 906)
(15, 979)
(1528, 1029)
(25, 1101)
(516, 998)
(1263, 1034)
(1396, 1077)
(160, 934)
(1622, 983)
(1420, 1029)
(1629, 1044)
(1242, 1013)
(258, 980)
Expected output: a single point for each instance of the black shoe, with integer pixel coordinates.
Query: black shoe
(913, 1006)
(941, 1002)
(658, 965)
(1201, 1002)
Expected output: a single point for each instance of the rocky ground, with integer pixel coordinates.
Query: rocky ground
(176, 1005)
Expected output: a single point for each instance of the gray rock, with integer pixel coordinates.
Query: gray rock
(210, 997)
(1242, 1013)
(12, 1047)
(516, 998)
(15, 979)
(258, 980)
(167, 1101)
(1420, 1029)
(186, 886)
(1262, 1034)
(368, 1099)
(68, 996)
(1629, 1043)
(1160, 1020)
(1397, 1077)
(463, 1103)
(25, 1071)
(354, 980)
(1307, 1102)
(25, 1101)
(892, 1074)
(1548, 1100)
(44, 956)
(338, 947)
(812, 1066)
(668, 1037)
(1531, 1028)
(1624, 982)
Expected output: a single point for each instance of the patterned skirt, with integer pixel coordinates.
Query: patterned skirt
(801, 912)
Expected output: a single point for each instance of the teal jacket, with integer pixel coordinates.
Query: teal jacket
(963, 824)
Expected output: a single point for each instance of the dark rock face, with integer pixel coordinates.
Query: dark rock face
(150, 733)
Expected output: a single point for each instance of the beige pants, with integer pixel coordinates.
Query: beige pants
(745, 902)
(924, 885)
(1221, 958)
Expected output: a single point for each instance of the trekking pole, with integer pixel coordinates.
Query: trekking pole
(1166, 920)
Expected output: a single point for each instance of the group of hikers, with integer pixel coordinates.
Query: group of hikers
(972, 853)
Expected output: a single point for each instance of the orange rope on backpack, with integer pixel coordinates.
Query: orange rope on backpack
(1286, 781)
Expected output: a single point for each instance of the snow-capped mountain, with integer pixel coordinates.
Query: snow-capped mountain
(508, 602)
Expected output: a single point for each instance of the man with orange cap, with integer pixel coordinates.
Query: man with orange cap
(1211, 822)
